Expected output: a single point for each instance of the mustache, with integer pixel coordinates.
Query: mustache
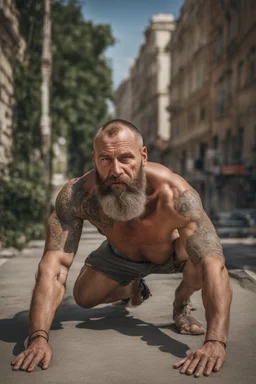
(114, 179)
(133, 186)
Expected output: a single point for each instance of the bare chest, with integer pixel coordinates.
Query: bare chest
(148, 239)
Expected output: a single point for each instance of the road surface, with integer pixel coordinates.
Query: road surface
(114, 344)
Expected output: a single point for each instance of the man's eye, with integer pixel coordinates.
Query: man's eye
(126, 158)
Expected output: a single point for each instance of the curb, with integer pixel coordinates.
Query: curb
(9, 253)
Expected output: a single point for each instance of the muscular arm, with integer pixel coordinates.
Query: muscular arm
(204, 249)
(62, 238)
(61, 246)
(63, 234)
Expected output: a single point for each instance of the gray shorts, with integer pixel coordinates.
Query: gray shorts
(112, 263)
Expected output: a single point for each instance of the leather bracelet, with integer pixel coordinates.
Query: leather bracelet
(32, 338)
(40, 330)
(219, 341)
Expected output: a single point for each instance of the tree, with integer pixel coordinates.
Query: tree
(81, 83)
(81, 86)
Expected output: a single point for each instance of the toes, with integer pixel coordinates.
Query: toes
(185, 329)
(196, 330)
(191, 330)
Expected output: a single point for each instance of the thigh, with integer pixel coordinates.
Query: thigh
(92, 287)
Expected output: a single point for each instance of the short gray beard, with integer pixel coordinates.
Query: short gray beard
(125, 205)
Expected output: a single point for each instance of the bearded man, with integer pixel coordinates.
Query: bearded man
(154, 222)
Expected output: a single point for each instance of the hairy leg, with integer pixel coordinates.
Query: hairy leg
(192, 281)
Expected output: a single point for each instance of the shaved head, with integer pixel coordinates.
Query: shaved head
(114, 127)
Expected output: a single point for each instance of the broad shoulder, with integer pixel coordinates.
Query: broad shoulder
(70, 200)
(169, 184)
(177, 195)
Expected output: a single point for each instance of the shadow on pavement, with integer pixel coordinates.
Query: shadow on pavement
(15, 330)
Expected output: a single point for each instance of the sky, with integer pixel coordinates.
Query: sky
(128, 19)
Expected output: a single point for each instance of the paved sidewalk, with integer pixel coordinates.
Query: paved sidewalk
(113, 344)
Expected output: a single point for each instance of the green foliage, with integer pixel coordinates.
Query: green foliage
(81, 86)
(81, 81)
(23, 194)
(21, 206)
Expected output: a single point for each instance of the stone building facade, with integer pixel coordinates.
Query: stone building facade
(11, 49)
(189, 92)
(233, 107)
(149, 79)
(123, 100)
(213, 101)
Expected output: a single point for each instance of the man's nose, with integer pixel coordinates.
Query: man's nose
(116, 169)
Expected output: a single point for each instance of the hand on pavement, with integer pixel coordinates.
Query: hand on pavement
(205, 360)
(37, 353)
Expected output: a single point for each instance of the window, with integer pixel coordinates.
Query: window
(220, 4)
(202, 113)
(251, 64)
(229, 80)
(240, 75)
(254, 139)
(183, 162)
(220, 43)
(227, 148)
(215, 142)
(229, 28)
(239, 145)
(220, 97)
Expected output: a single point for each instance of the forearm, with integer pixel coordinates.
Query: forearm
(47, 297)
(217, 296)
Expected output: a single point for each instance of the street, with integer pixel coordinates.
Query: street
(115, 344)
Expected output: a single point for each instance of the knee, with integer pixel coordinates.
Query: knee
(83, 298)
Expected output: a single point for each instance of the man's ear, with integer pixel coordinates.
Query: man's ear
(144, 155)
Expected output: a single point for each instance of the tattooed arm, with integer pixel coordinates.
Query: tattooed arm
(204, 250)
(63, 234)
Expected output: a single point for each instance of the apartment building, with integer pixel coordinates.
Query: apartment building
(123, 100)
(148, 82)
(233, 96)
(189, 92)
(213, 101)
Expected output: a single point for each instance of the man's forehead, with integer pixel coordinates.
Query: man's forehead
(123, 137)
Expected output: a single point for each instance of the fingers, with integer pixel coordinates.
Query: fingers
(209, 367)
(201, 366)
(218, 365)
(46, 361)
(17, 362)
(192, 366)
(28, 360)
(199, 363)
(179, 363)
(186, 364)
(34, 362)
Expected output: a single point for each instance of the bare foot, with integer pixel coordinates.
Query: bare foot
(185, 323)
(141, 292)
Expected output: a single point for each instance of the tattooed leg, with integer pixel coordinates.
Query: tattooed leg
(192, 281)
